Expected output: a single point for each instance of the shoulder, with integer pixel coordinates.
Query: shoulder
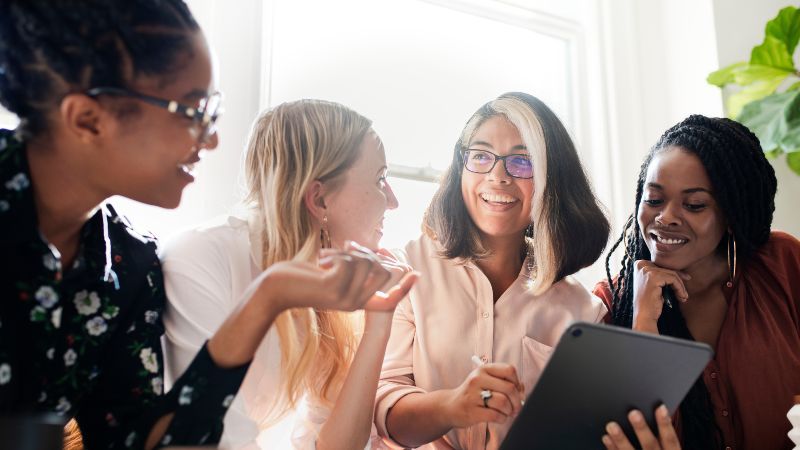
(128, 242)
(219, 238)
(423, 251)
(603, 291)
(569, 288)
(781, 243)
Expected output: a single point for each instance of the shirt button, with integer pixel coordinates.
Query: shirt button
(713, 375)
(725, 412)
(484, 359)
(485, 315)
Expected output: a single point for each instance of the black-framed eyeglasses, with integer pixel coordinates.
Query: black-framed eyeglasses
(204, 115)
(517, 165)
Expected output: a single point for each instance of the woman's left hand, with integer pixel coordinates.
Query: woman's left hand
(667, 437)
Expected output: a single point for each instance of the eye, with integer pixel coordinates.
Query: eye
(694, 207)
(652, 201)
(479, 156)
(382, 182)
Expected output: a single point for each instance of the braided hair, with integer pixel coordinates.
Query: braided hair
(744, 186)
(51, 48)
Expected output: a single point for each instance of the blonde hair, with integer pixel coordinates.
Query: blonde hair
(291, 146)
(569, 226)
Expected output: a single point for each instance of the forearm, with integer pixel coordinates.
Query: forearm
(418, 418)
(350, 422)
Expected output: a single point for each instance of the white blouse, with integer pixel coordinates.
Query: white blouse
(206, 271)
(450, 315)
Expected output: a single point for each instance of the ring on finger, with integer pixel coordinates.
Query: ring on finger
(486, 395)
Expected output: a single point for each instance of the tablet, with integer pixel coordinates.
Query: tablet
(598, 373)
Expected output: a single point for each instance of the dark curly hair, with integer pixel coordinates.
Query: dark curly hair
(744, 186)
(51, 48)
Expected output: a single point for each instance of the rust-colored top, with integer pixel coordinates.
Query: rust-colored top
(755, 372)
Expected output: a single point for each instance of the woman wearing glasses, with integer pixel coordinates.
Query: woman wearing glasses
(513, 218)
(113, 99)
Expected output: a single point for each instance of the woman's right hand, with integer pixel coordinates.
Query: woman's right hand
(345, 280)
(648, 283)
(466, 407)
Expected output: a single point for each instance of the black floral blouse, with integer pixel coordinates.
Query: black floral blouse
(86, 342)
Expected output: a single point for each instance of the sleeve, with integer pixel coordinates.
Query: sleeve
(397, 379)
(603, 291)
(128, 400)
(198, 281)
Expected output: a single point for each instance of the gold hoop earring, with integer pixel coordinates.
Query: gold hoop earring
(731, 262)
(324, 235)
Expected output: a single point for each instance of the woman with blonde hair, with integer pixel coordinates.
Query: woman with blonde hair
(513, 218)
(316, 180)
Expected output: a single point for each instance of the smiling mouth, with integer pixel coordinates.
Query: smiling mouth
(668, 241)
(188, 168)
(498, 199)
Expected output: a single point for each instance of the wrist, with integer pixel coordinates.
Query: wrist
(270, 301)
(647, 325)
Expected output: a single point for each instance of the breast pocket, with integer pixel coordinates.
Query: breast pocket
(534, 357)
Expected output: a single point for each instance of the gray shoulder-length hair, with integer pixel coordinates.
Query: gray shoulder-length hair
(568, 223)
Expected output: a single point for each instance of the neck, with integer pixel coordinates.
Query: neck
(503, 264)
(64, 200)
(709, 273)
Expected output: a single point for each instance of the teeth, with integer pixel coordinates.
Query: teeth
(187, 167)
(664, 240)
(497, 198)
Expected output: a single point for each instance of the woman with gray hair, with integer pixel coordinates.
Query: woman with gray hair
(513, 218)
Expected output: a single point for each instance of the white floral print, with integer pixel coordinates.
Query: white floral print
(63, 405)
(96, 326)
(18, 183)
(55, 317)
(5, 373)
(149, 360)
(110, 312)
(186, 395)
(70, 357)
(50, 262)
(150, 317)
(157, 384)
(46, 296)
(87, 303)
(51, 352)
(130, 439)
(227, 401)
(4, 206)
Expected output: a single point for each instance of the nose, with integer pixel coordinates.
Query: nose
(669, 214)
(391, 200)
(498, 173)
(211, 142)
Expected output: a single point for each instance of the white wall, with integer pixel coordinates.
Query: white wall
(740, 27)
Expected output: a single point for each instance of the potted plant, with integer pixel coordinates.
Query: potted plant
(769, 99)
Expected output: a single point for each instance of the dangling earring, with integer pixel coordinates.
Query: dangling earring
(530, 264)
(529, 231)
(731, 262)
(324, 236)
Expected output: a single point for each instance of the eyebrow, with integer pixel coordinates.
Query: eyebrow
(685, 191)
(516, 147)
(195, 94)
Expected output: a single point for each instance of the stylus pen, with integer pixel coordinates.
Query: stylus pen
(478, 362)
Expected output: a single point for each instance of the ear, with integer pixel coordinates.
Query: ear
(85, 119)
(314, 199)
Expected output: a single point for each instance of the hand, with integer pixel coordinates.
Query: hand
(667, 437)
(648, 282)
(466, 408)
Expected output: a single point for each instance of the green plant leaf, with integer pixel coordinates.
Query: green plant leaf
(773, 52)
(786, 27)
(756, 72)
(775, 120)
(772, 154)
(751, 93)
(725, 75)
(793, 87)
(793, 160)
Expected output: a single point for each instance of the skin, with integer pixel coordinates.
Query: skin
(677, 204)
(419, 418)
(354, 207)
(89, 153)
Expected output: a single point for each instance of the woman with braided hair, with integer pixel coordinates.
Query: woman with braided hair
(701, 229)
(117, 98)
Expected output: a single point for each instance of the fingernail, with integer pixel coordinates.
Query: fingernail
(612, 428)
(635, 417)
(607, 440)
(662, 411)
